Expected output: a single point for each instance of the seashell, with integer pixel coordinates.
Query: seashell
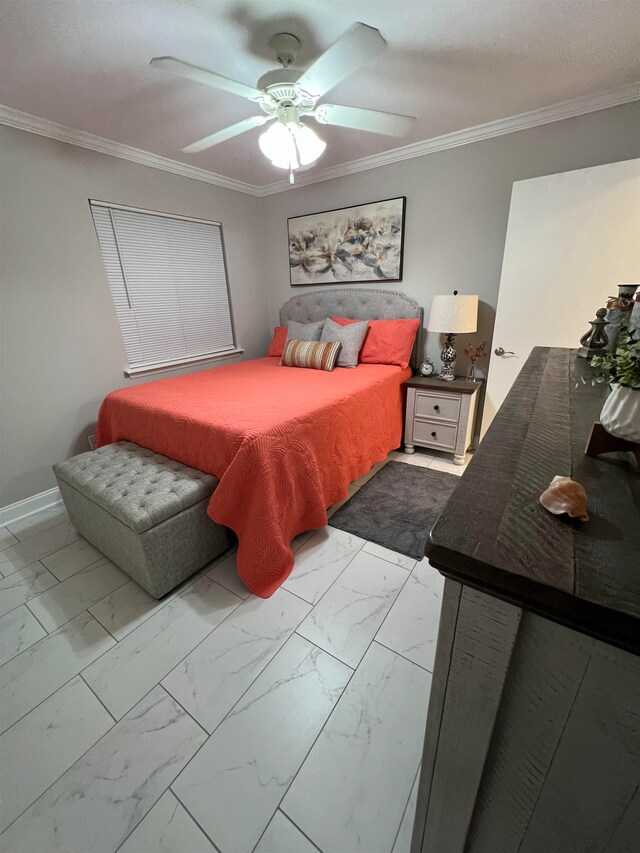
(565, 495)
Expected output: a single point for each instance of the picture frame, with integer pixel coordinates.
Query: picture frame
(348, 245)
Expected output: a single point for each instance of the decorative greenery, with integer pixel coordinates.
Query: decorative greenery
(475, 353)
(621, 366)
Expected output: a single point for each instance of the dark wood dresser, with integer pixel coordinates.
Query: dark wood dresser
(533, 733)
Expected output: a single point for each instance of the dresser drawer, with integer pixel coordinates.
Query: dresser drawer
(437, 406)
(435, 434)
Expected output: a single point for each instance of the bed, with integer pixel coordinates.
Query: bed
(285, 443)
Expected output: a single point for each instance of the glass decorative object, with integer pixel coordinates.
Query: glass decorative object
(474, 353)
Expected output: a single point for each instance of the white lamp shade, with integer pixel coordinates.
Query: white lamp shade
(453, 314)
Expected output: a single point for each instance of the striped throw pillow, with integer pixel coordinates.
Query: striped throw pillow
(313, 354)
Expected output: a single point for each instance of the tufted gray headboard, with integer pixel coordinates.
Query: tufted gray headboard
(358, 304)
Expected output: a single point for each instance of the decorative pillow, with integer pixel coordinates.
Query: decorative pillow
(351, 338)
(313, 354)
(386, 341)
(277, 341)
(304, 331)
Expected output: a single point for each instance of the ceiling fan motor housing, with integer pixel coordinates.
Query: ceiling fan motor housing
(280, 89)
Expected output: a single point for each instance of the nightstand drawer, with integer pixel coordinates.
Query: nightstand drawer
(437, 406)
(435, 434)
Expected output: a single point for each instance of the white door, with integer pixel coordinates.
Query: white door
(571, 239)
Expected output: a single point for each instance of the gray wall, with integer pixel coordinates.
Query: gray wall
(61, 349)
(457, 209)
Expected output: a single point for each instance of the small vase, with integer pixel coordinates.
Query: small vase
(620, 414)
(471, 372)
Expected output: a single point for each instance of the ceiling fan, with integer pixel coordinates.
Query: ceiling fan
(287, 95)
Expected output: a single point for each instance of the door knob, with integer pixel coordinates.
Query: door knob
(501, 351)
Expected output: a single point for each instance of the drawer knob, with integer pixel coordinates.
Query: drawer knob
(437, 408)
(433, 434)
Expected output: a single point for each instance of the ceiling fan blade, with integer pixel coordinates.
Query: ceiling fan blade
(373, 121)
(226, 133)
(201, 75)
(358, 45)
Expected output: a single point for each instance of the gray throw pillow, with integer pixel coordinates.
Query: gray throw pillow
(351, 337)
(304, 331)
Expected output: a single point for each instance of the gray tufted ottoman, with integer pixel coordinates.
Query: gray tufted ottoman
(146, 512)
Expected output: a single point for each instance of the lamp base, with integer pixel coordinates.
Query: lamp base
(448, 356)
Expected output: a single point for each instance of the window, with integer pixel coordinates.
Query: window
(168, 281)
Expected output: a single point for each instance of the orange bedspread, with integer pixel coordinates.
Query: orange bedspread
(284, 442)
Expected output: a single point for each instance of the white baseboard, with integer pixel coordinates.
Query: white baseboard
(13, 512)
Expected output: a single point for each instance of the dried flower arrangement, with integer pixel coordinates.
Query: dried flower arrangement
(474, 353)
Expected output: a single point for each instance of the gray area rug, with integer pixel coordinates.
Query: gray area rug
(397, 507)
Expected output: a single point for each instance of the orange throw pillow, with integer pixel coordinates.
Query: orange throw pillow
(386, 341)
(276, 347)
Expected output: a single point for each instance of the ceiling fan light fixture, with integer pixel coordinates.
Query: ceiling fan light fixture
(310, 146)
(277, 145)
(290, 146)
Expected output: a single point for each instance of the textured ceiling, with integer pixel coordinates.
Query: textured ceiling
(455, 64)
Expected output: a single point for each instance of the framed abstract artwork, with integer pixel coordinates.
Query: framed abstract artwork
(350, 244)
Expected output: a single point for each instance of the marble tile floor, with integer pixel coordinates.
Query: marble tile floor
(213, 720)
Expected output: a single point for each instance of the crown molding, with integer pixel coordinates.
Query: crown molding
(523, 121)
(53, 130)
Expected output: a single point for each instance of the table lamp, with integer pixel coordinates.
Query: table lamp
(452, 315)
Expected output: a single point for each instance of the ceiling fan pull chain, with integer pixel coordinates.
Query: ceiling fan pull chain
(291, 177)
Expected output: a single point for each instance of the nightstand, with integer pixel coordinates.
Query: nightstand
(440, 415)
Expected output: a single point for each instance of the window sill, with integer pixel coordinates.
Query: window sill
(163, 367)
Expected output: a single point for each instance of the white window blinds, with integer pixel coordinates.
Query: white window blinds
(168, 281)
